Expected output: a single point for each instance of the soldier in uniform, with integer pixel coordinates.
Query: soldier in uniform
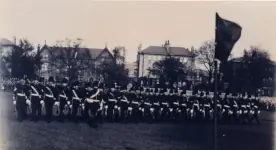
(51, 95)
(41, 86)
(35, 97)
(20, 97)
(111, 101)
(92, 102)
(183, 105)
(124, 103)
(64, 99)
(164, 104)
(77, 97)
(255, 108)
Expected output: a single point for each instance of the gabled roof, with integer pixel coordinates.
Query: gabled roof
(5, 42)
(84, 53)
(173, 51)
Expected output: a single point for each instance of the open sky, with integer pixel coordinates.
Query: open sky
(128, 24)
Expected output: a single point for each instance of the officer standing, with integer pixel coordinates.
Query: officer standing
(20, 96)
(92, 102)
(77, 96)
(256, 108)
(51, 95)
(41, 86)
(36, 96)
(64, 95)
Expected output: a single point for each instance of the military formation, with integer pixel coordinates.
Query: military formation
(8, 84)
(93, 103)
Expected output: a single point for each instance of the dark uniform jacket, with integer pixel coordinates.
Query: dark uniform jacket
(51, 92)
(65, 94)
(21, 92)
(77, 94)
(36, 92)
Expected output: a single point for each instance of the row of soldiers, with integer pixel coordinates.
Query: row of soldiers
(92, 103)
(8, 84)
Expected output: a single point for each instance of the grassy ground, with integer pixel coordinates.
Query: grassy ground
(142, 136)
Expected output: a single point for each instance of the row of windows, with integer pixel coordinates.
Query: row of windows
(152, 59)
(44, 67)
(157, 57)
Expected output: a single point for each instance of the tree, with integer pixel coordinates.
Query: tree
(206, 56)
(169, 69)
(114, 70)
(119, 54)
(22, 60)
(251, 72)
(71, 59)
(259, 67)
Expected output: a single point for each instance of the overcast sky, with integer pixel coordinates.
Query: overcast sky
(131, 23)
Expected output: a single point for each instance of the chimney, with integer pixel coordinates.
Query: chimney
(167, 46)
(38, 47)
(193, 50)
(14, 40)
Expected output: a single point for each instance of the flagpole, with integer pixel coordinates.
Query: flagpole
(215, 93)
(215, 106)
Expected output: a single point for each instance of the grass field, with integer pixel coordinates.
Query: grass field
(110, 136)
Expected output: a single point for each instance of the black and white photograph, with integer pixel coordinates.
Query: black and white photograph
(137, 75)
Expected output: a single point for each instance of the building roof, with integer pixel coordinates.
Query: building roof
(5, 42)
(131, 66)
(237, 59)
(87, 53)
(173, 51)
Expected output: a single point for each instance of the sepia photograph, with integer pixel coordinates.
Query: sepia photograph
(137, 75)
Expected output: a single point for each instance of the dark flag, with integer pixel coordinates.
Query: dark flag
(227, 34)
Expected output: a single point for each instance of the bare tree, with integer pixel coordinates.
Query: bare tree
(70, 60)
(119, 54)
(206, 55)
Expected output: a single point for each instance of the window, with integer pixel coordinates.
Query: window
(183, 59)
(44, 67)
(45, 57)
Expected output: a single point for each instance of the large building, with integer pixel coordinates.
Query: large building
(6, 46)
(151, 54)
(59, 61)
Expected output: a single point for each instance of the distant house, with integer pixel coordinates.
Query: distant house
(6, 46)
(151, 54)
(131, 67)
(55, 61)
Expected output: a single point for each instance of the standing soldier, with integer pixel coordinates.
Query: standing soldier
(28, 88)
(111, 101)
(255, 108)
(87, 90)
(64, 101)
(35, 97)
(20, 97)
(92, 102)
(41, 109)
(51, 95)
(77, 94)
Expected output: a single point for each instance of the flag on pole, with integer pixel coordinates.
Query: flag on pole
(227, 34)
